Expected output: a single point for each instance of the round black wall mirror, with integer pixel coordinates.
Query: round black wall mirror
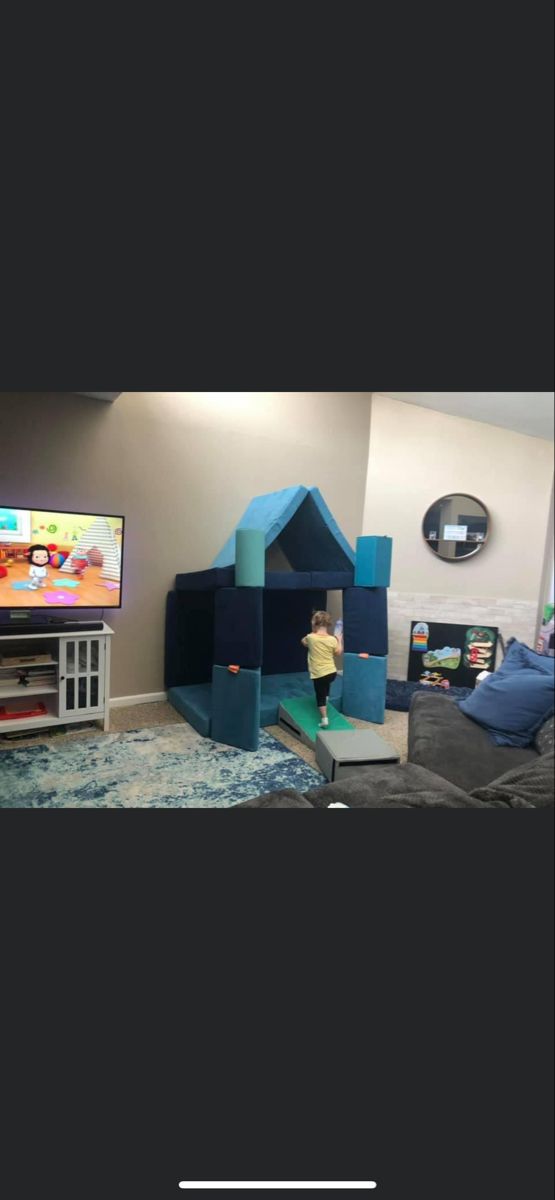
(456, 526)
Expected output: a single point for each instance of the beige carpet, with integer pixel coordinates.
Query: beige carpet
(145, 716)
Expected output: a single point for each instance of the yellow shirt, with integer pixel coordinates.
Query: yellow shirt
(320, 654)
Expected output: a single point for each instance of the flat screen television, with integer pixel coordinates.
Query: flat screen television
(51, 561)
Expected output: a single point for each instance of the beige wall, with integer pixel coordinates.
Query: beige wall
(416, 456)
(181, 467)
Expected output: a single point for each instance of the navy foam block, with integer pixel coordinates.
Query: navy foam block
(365, 620)
(312, 540)
(236, 707)
(287, 580)
(332, 581)
(364, 684)
(205, 581)
(238, 627)
(195, 704)
(287, 617)
(373, 561)
(189, 638)
(276, 688)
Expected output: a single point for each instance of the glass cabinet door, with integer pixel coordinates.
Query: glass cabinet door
(81, 675)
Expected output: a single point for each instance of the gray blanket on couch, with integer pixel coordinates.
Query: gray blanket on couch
(412, 786)
(529, 786)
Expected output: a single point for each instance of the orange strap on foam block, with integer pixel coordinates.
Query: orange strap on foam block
(364, 656)
(234, 669)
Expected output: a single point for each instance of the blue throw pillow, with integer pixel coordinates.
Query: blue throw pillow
(512, 705)
(518, 656)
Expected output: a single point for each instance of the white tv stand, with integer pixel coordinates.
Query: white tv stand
(81, 688)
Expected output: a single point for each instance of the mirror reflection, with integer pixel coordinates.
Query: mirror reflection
(456, 526)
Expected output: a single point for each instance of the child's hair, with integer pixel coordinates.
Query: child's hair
(321, 618)
(32, 550)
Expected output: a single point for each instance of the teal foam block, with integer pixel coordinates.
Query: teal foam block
(194, 702)
(250, 552)
(364, 684)
(373, 561)
(236, 707)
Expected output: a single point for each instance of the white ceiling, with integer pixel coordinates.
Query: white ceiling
(524, 412)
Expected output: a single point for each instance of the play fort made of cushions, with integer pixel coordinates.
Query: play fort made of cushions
(240, 614)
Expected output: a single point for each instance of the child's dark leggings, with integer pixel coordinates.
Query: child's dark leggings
(322, 687)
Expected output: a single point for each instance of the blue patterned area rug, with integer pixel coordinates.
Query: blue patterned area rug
(170, 766)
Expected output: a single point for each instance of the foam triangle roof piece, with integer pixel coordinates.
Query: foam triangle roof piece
(308, 534)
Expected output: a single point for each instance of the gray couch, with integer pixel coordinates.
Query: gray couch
(452, 764)
(446, 742)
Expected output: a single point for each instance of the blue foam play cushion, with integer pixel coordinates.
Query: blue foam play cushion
(309, 534)
(365, 620)
(205, 581)
(189, 640)
(373, 562)
(238, 626)
(512, 705)
(236, 707)
(364, 684)
(194, 702)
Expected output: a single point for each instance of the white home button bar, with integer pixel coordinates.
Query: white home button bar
(279, 1185)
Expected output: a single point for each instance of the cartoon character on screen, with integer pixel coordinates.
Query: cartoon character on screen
(79, 564)
(39, 559)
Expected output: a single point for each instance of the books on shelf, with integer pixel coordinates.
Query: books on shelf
(25, 660)
(47, 669)
(24, 677)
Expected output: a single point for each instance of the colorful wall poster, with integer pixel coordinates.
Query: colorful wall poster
(453, 656)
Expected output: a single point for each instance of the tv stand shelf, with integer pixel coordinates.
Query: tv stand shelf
(81, 689)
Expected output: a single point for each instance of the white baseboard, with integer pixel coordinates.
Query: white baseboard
(146, 698)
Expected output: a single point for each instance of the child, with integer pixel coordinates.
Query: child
(322, 646)
(39, 558)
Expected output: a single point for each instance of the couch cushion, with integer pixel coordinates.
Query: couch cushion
(512, 704)
(402, 786)
(528, 786)
(543, 741)
(442, 739)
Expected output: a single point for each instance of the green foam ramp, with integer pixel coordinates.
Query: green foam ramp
(300, 717)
